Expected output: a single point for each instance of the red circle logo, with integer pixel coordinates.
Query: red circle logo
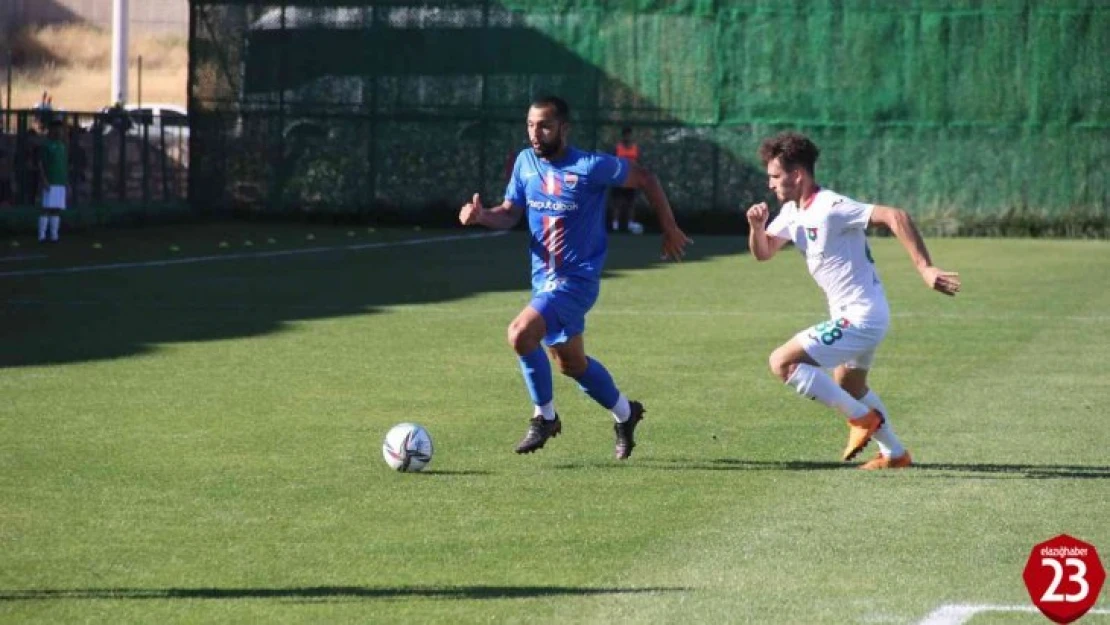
(1064, 577)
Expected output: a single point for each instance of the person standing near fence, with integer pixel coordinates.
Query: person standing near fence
(78, 161)
(7, 195)
(622, 200)
(54, 176)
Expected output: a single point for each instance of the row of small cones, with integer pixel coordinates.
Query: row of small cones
(225, 244)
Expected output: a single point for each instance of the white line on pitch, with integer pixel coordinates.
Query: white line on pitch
(437, 309)
(651, 312)
(26, 257)
(249, 255)
(958, 614)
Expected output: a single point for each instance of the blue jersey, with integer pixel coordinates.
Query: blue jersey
(565, 200)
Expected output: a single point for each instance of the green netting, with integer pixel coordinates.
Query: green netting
(967, 107)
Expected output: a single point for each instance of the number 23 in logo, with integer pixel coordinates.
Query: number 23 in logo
(1064, 577)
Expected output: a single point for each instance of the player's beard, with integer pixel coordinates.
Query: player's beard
(547, 150)
(790, 193)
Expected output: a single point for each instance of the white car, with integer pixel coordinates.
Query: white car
(172, 119)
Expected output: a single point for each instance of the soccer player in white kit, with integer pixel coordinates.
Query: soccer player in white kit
(829, 230)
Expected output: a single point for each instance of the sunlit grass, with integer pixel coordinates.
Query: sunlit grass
(199, 443)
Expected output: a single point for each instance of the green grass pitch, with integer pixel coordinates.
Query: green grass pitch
(191, 434)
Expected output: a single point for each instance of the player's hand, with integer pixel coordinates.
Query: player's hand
(947, 282)
(674, 243)
(757, 216)
(471, 212)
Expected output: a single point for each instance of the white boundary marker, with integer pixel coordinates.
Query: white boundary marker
(249, 255)
(439, 309)
(960, 613)
(450, 310)
(25, 257)
(811, 315)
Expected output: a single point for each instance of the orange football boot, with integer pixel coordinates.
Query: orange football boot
(860, 431)
(882, 462)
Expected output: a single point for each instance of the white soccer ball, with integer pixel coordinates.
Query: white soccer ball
(635, 227)
(407, 447)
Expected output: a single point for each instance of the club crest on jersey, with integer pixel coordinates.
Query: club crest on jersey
(551, 184)
(570, 180)
(811, 234)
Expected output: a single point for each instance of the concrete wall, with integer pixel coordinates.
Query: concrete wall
(158, 16)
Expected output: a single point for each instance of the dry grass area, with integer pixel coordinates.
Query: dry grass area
(73, 64)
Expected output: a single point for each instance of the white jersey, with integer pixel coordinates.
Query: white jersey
(831, 233)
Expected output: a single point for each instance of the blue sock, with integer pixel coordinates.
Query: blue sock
(537, 376)
(598, 384)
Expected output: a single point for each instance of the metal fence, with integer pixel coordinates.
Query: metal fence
(969, 109)
(137, 158)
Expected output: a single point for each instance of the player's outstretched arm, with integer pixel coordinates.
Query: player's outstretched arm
(500, 217)
(674, 239)
(901, 224)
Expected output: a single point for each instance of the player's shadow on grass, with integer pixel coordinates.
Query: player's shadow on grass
(969, 470)
(1021, 471)
(318, 593)
(713, 464)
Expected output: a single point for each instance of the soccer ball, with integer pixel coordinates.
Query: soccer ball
(635, 227)
(407, 447)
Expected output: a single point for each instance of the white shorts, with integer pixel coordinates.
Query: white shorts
(838, 342)
(54, 197)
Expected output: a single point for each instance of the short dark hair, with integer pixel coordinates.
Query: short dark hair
(793, 149)
(562, 109)
(627, 130)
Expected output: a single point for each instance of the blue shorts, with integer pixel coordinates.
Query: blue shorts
(563, 307)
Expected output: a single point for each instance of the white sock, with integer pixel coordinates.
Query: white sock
(889, 445)
(43, 221)
(814, 383)
(547, 411)
(55, 221)
(622, 410)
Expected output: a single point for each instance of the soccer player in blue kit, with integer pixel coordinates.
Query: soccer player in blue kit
(562, 189)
